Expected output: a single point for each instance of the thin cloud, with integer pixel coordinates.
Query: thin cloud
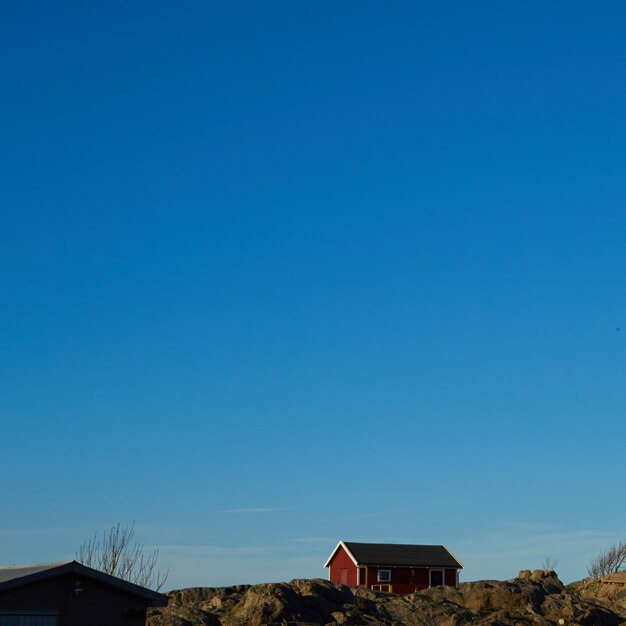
(513, 542)
(204, 551)
(258, 510)
(192, 570)
(26, 532)
(523, 545)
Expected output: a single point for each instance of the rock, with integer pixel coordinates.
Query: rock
(181, 616)
(542, 574)
(532, 598)
(609, 591)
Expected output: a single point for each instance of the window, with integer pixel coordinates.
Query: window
(436, 577)
(384, 575)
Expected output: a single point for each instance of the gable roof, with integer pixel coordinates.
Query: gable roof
(396, 555)
(16, 576)
(19, 571)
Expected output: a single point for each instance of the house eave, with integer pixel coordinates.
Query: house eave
(341, 544)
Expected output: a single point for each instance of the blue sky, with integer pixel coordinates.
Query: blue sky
(277, 274)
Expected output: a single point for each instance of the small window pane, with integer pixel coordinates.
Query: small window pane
(384, 575)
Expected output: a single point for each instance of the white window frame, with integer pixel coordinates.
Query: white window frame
(380, 576)
(361, 575)
(436, 569)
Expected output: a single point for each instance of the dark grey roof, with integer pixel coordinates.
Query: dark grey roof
(17, 576)
(19, 571)
(401, 555)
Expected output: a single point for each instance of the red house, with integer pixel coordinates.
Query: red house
(395, 568)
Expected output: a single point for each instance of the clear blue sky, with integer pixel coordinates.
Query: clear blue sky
(280, 273)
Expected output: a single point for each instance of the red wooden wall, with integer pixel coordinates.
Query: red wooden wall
(450, 577)
(403, 579)
(343, 569)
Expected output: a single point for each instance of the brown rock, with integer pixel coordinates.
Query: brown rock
(533, 598)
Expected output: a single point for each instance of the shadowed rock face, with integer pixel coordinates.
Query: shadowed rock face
(536, 597)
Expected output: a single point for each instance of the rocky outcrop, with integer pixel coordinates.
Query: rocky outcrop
(609, 590)
(536, 597)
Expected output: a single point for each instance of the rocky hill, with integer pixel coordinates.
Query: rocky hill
(536, 597)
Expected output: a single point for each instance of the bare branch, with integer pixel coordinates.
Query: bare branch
(116, 555)
(608, 562)
(549, 564)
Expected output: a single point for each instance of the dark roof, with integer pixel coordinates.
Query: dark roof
(17, 576)
(19, 571)
(395, 554)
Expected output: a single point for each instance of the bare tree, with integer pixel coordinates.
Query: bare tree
(549, 563)
(608, 562)
(116, 554)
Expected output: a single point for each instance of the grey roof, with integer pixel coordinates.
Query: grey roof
(19, 571)
(16, 576)
(401, 555)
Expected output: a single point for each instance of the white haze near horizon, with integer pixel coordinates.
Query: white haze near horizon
(496, 554)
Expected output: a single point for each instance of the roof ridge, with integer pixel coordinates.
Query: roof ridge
(376, 543)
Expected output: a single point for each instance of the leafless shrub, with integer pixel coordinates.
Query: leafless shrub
(116, 554)
(549, 563)
(608, 562)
